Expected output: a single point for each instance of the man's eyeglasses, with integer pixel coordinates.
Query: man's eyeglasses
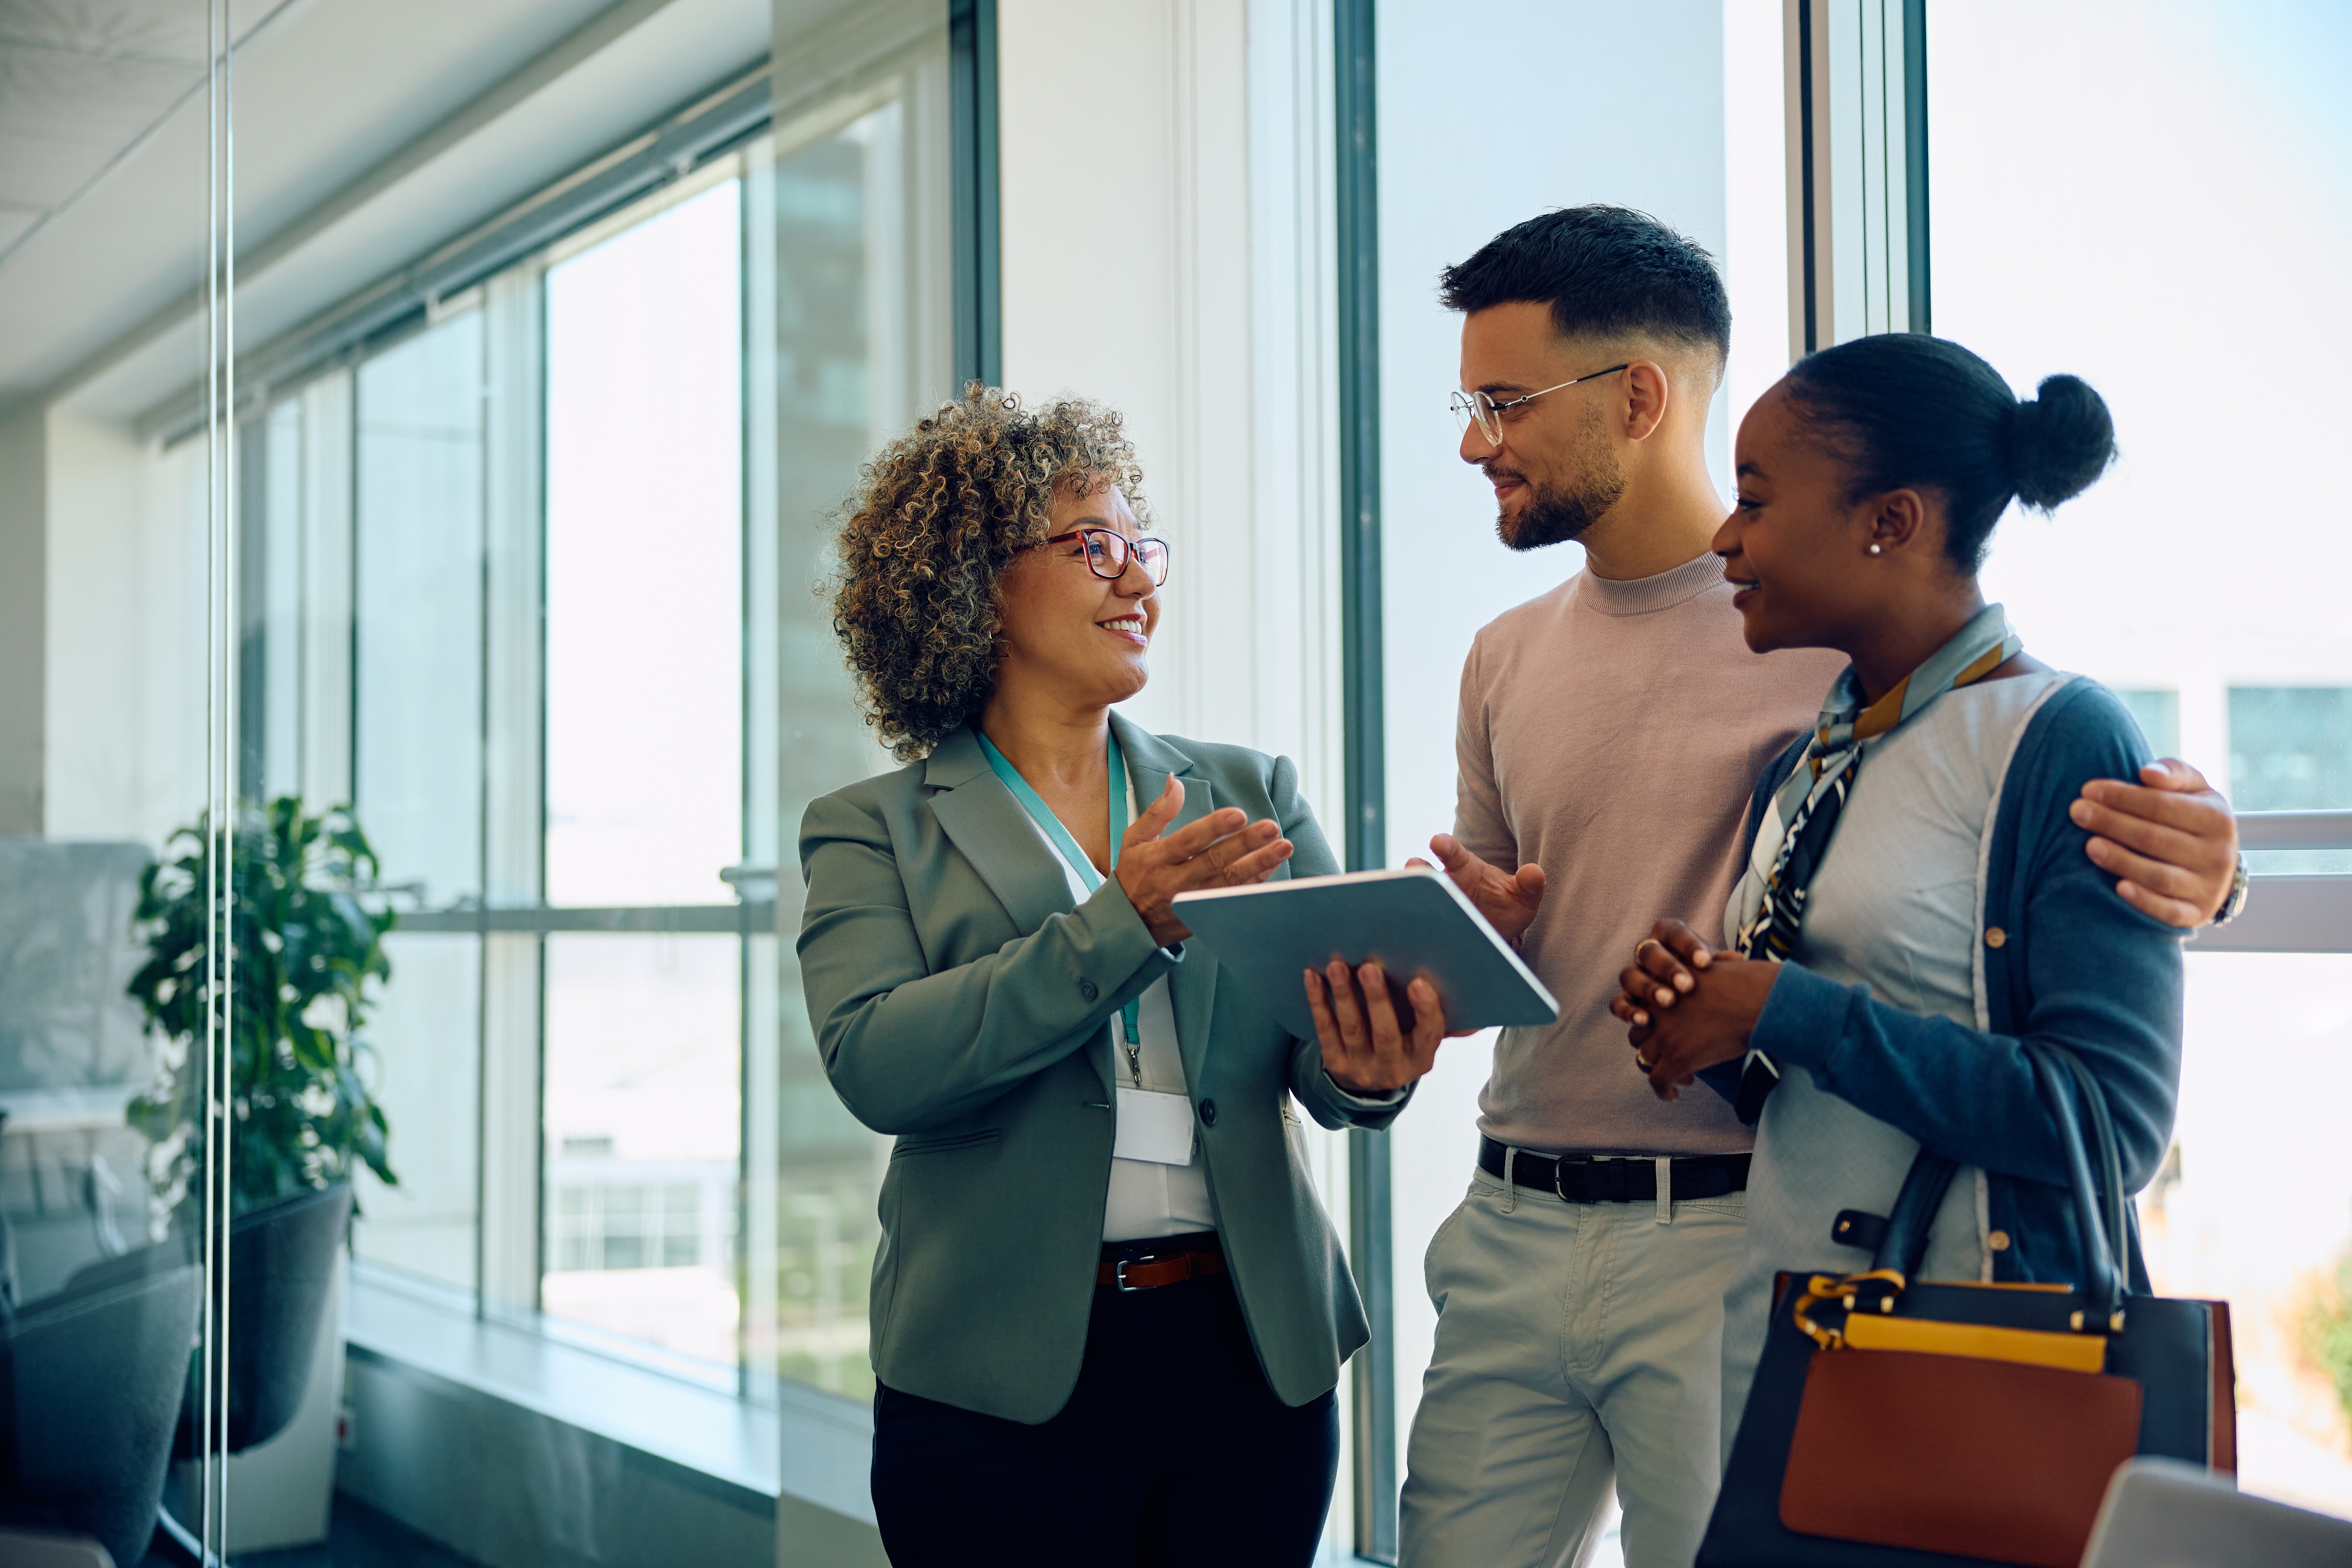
(1108, 550)
(1469, 406)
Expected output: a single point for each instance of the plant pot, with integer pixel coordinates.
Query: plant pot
(288, 1262)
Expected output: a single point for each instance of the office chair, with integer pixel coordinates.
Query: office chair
(90, 1383)
(2161, 1513)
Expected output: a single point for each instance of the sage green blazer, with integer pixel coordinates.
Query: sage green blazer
(963, 1004)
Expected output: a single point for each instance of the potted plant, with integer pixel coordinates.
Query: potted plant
(302, 951)
(305, 957)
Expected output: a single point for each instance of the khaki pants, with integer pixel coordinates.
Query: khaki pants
(1577, 1344)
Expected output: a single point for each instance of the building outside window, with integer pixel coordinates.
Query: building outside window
(2291, 749)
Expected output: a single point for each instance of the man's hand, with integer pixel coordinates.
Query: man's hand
(2170, 838)
(1508, 899)
(1223, 849)
(1365, 1049)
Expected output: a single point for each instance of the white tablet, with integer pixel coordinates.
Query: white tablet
(1413, 920)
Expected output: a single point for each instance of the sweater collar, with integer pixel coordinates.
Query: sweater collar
(1644, 596)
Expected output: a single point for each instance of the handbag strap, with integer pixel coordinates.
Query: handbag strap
(2111, 1164)
(2100, 1245)
(2100, 1214)
(1904, 1242)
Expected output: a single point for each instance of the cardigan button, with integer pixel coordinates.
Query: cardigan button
(1997, 1240)
(1086, 989)
(1995, 936)
(1208, 1114)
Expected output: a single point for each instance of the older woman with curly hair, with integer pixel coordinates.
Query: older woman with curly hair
(1108, 1310)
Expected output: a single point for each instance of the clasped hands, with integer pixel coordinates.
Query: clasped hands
(1678, 1024)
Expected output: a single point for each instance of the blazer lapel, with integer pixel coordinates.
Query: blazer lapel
(984, 822)
(1192, 984)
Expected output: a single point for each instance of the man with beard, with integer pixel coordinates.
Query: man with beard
(1610, 732)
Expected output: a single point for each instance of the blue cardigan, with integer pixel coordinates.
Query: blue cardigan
(2065, 960)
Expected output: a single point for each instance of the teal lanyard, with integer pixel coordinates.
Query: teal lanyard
(1051, 826)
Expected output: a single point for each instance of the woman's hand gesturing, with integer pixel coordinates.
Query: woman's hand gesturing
(1223, 849)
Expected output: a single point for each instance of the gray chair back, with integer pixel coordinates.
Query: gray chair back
(2161, 1513)
(90, 1383)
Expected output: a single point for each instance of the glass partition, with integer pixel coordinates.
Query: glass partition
(850, 306)
(408, 703)
(575, 678)
(121, 571)
(2103, 189)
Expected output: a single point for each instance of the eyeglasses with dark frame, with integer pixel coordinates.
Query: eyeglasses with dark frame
(1469, 406)
(1108, 549)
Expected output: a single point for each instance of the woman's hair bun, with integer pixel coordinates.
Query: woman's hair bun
(2059, 441)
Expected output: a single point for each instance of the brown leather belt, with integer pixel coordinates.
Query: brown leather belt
(1152, 1270)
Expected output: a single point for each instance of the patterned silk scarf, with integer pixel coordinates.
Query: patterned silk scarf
(1795, 835)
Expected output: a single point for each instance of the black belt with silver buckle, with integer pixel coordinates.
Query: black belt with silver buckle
(1585, 1179)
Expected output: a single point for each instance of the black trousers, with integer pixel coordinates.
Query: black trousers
(1173, 1450)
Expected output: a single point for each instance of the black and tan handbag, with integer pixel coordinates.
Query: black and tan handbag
(1901, 1421)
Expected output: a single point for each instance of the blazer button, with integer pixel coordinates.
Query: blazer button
(1995, 936)
(1208, 1114)
(1086, 989)
(1997, 1240)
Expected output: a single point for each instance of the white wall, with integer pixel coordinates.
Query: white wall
(1167, 235)
(126, 633)
(24, 503)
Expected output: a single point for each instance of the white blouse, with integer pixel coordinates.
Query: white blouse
(1148, 1199)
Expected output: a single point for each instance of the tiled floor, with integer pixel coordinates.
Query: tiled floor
(360, 1538)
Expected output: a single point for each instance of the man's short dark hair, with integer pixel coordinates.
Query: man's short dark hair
(1605, 271)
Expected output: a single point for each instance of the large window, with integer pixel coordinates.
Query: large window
(2105, 185)
(562, 649)
(644, 1032)
(2157, 198)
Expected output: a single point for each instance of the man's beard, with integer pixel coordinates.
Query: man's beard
(1556, 516)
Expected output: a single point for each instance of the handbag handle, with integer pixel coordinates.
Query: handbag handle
(1905, 1244)
(2102, 1225)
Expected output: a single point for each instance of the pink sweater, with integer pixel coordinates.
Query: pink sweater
(1611, 732)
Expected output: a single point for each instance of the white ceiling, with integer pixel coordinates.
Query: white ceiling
(81, 81)
(366, 133)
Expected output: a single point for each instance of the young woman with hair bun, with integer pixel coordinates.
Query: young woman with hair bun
(1916, 905)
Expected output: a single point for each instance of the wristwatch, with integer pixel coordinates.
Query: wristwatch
(2235, 904)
